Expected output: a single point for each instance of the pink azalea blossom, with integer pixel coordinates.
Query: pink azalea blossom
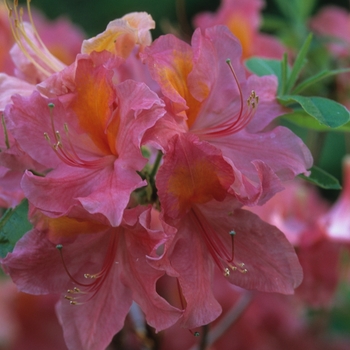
(297, 212)
(213, 232)
(122, 34)
(60, 252)
(28, 321)
(336, 222)
(254, 321)
(333, 23)
(242, 17)
(209, 102)
(92, 142)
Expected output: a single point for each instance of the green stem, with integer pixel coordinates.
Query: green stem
(156, 165)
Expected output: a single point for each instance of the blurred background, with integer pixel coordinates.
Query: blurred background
(29, 323)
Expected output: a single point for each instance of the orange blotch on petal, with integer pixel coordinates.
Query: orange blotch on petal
(243, 31)
(92, 103)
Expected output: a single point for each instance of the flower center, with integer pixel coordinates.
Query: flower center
(68, 154)
(245, 114)
(83, 292)
(224, 259)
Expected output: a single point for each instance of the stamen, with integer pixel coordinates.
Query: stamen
(78, 296)
(68, 154)
(42, 59)
(241, 119)
(216, 248)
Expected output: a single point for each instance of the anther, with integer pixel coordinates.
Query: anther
(59, 246)
(73, 302)
(226, 272)
(196, 334)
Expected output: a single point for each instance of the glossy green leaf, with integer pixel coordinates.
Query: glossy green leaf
(318, 77)
(303, 119)
(326, 111)
(13, 225)
(322, 179)
(264, 66)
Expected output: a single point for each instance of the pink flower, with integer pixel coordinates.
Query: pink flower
(60, 252)
(336, 222)
(93, 140)
(211, 231)
(28, 321)
(333, 24)
(122, 34)
(297, 212)
(209, 102)
(242, 17)
(41, 49)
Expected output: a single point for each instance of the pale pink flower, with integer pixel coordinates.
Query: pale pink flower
(336, 222)
(122, 34)
(243, 19)
(297, 212)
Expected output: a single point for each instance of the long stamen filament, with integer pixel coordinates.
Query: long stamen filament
(222, 258)
(40, 50)
(69, 155)
(243, 116)
(89, 289)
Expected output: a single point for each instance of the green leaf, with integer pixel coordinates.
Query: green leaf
(286, 8)
(304, 8)
(326, 111)
(263, 66)
(298, 64)
(318, 77)
(13, 225)
(305, 120)
(322, 179)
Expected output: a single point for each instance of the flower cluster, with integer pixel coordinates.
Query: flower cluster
(137, 159)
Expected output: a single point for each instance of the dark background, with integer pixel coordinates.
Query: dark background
(94, 15)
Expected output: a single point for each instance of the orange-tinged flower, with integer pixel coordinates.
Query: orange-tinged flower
(121, 35)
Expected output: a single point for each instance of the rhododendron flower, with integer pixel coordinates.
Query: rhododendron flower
(225, 110)
(297, 212)
(61, 252)
(28, 321)
(92, 142)
(336, 222)
(213, 232)
(329, 24)
(242, 17)
(122, 34)
(38, 53)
